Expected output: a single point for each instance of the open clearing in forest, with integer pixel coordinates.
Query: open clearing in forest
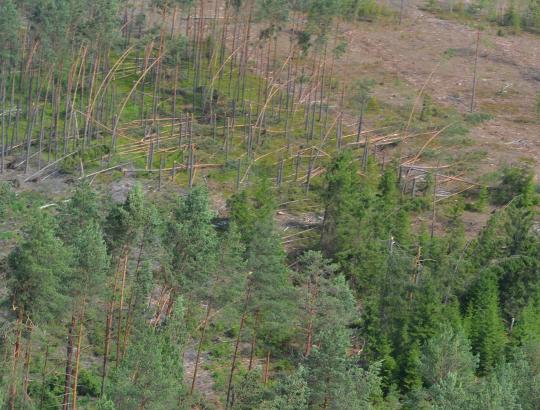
(424, 45)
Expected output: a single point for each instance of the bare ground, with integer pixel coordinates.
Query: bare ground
(424, 45)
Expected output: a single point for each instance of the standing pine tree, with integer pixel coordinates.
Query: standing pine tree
(340, 204)
(484, 324)
(191, 243)
(327, 301)
(448, 352)
(151, 374)
(37, 269)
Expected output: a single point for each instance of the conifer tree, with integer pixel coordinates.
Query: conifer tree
(191, 242)
(327, 301)
(9, 39)
(37, 269)
(151, 375)
(272, 302)
(412, 379)
(448, 352)
(327, 369)
(272, 294)
(527, 329)
(291, 392)
(340, 201)
(484, 324)
(249, 392)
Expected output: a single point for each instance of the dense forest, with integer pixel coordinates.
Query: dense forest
(196, 212)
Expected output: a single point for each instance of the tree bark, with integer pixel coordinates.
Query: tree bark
(236, 346)
(16, 352)
(199, 349)
(69, 364)
(121, 307)
(27, 358)
(108, 330)
(267, 368)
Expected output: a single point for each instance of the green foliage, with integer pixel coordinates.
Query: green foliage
(7, 197)
(412, 379)
(369, 318)
(37, 269)
(291, 393)
(339, 198)
(327, 368)
(151, 374)
(527, 329)
(445, 354)
(9, 38)
(516, 183)
(88, 384)
(249, 392)
(192, 241)
(272, 293)
(327, 299)
(336, 382)
(484, 324)
(481, 201)
(126, 222)
(274, 12)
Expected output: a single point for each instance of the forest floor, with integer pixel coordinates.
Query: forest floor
(204, 384)
(425, 45)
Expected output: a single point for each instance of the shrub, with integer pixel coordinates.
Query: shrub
(515, 181)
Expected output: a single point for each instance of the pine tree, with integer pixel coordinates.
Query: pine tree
(527, 329)
(340, 201)
(9, 39)
(79, 211)
(335, 381)
(191, 242)
(272, 305)
(327, 300)
(484, 324)
(451, 394)
(272, 301)
(327, 367)
(291, 392)
(37, 268)
(87, 281)
(446, 353)
(151, 374)
(412, 378)
(225, 285)
(249, 392)
(125, 222)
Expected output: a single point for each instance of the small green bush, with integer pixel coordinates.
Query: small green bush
(7, 197)
(88, 384)
(515, 182)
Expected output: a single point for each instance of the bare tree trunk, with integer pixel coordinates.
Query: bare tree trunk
(69, 364)
(43, 378)
(16, 353)
(108, 330)
(121, 307)
(473, 95)
(267, 368)
(27, 357)
(199, 349)
(78, 354)
(236, 346)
